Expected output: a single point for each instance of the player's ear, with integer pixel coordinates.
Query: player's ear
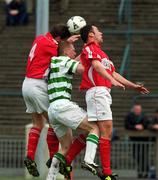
(91, 34)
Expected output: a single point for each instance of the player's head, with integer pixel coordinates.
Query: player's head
(91, 33)
(60, 32)
(66, 48)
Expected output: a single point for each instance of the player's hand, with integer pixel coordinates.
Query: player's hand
(117, 84)
(73, 38)
(142, 89)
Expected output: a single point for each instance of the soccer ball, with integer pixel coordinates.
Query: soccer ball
(75, 23)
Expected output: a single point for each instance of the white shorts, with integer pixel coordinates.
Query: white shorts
(64, 114)
(98, 101)
(35, 94)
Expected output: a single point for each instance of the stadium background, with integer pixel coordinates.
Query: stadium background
(130, 39)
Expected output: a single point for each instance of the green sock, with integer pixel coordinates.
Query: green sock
(60, 157)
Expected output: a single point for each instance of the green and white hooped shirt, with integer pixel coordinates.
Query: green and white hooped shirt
(62, 69)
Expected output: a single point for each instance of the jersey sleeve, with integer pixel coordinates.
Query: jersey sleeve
(91, 53)
(71, 65)
(113, 68)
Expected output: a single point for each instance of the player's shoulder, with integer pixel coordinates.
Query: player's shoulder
(45, 43)
(39, 37)
(42, 38)
(39, 40)
(90, 46)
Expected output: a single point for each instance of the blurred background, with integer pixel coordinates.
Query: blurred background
(130, 30)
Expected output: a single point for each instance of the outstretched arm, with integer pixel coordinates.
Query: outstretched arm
(102, 71)
(129, 84)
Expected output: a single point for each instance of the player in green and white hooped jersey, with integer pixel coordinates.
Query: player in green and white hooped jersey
(65, 114)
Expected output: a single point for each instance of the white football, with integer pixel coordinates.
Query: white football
(75, 23)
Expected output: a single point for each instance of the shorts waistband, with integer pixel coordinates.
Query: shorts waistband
(59, 99)
(34, 79)
(100, 87)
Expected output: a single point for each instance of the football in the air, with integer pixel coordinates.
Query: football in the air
(75, 23)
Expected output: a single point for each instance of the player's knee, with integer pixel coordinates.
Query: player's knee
(38, 121)
(106, 135)
(106, 129)
(93, 128)
(89, 127)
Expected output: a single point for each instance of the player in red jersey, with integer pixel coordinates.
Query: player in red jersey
(34, 90)
(97, 80)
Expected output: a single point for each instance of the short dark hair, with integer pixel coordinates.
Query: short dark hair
(60, 30)
(84, 32)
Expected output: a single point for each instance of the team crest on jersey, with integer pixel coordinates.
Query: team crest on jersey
(106, 63)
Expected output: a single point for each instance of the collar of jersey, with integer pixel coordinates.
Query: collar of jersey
(92, 43)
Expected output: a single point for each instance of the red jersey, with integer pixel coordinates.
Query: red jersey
(90, 77)
(43, 48)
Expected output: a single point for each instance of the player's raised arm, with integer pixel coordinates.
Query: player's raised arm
(102, 71)
(129, 84)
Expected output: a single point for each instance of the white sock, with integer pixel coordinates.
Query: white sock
(91, 148)
(54, 169)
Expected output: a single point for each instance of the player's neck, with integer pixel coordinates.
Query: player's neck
(93, 40)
